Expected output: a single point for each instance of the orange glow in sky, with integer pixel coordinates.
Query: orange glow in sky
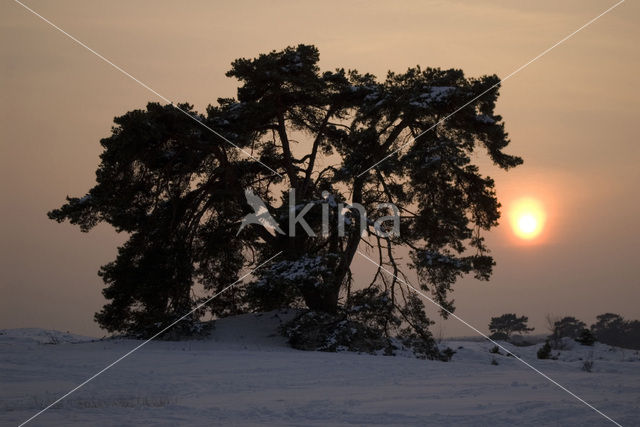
(527, 217)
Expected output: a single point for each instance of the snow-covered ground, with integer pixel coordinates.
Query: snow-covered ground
(246, 375)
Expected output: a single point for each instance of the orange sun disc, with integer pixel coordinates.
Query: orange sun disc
(527, 217)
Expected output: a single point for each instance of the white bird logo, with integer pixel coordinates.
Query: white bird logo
(260, 216)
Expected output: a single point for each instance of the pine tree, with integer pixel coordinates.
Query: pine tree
(568, 326)
(504, 326)
(178, 190)
(613, 329)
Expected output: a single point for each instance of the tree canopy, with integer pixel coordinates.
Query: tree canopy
(502, 327)
(614, 329)
(568, 326)
(177, 189)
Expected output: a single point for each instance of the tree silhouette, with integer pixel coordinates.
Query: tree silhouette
(178, 190)
(568, 327)
(613, 329)
(504, 326)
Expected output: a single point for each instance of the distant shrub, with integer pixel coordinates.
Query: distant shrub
(53, 340)
(586, 337)
(545, 351)
(494, 361)
(587, 365)
(495, 350)
(447, 354)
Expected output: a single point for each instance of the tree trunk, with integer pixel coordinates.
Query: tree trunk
(325, 301)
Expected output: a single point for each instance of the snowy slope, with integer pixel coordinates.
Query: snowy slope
(246, 375)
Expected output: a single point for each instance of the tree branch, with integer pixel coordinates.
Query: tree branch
(314, 151)
(286, 149)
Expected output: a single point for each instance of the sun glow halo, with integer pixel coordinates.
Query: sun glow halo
(527, 218)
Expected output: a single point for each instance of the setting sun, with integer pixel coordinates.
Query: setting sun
(527, 218)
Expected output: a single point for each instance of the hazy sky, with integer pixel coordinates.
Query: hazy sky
(572, 115)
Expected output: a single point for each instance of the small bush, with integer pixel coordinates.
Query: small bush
(446, 354)
(494, 361)
(545, 351)
(53, 340)
(587, 365)
(495, 350)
